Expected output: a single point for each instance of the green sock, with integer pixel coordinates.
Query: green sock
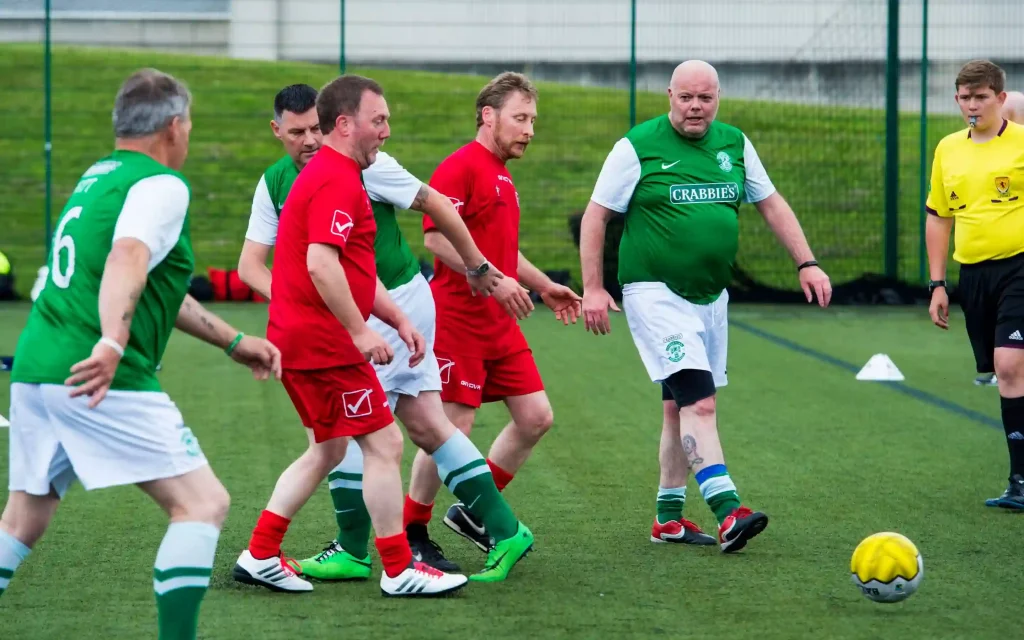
(179, 611)
(346, 483)
(181, 576)
(12, 553)
(670, 503)
(722, 504)
(466, 474)
(718, 490)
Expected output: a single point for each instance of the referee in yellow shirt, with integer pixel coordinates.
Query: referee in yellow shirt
(978, 180)
(1013, 110)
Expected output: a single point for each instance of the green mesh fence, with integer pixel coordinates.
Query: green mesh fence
(805, 79)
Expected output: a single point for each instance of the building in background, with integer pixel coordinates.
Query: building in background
(811, 51)
(183, 26)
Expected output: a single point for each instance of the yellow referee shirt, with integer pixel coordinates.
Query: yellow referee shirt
(982, 187)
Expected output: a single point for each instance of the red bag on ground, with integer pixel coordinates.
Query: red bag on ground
(228, 287)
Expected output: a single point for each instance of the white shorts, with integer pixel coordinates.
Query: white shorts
(673, 334)
(131, 437)
(416, 301)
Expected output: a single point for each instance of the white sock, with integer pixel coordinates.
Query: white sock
(12, 553)
(185, 557)
(352, 463)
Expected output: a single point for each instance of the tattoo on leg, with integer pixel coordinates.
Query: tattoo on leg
(690, 448)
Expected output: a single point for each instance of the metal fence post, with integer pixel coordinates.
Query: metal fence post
(341, 47)
(923, 183)
(892, 142)
(632, 64)
(47, 129)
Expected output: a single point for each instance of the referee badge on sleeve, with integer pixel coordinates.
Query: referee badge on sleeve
(1003, 185)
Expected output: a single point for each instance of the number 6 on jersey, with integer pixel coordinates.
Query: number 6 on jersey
(60, 241)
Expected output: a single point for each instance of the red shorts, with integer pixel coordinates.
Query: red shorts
(338, 402)
(473, 381)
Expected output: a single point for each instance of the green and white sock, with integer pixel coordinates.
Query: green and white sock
(12, 553)
(466, 474)
(670, 503)
(346, 484)
(718, 490)
(181, 576)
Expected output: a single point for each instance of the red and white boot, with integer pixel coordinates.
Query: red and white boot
(740, 526)
(680, 531)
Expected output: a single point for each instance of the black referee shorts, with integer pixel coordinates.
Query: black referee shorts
(992, 299)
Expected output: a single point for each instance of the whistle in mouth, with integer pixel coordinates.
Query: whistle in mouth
(973, 120)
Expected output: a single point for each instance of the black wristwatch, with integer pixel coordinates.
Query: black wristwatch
(479, 271)
(809, 263)
(935, 284)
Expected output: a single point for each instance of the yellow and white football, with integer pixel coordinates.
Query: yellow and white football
(887, 567)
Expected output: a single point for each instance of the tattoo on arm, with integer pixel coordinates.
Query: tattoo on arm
(204, 317)
(134, 296)
(690, 449)
(421, 198)
(201, 315)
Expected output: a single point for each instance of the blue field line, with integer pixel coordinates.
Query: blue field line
(917, 394)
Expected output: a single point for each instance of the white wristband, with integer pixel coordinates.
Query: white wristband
(113, 344)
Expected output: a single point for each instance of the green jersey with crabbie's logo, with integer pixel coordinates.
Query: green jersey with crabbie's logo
(681, 221)
(680, 198)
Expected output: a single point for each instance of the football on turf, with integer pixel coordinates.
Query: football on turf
(886, 567)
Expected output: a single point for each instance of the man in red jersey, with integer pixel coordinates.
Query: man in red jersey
(323, 289)
(481, 350)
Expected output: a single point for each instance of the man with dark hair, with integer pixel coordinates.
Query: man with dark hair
(297, 98)
(483, 354)
(85, 400)
(1013, 110)
(978, 180)
(297, 126)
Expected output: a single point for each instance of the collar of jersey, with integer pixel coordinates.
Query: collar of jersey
(1001, 129)
(341, 158)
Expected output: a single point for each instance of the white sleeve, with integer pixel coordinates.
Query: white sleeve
(154, 213)
(263, 219)
(618, 178)
(387, 181)
(757, 185)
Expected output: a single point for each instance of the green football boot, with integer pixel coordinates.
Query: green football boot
(504, 555)
(334, 563)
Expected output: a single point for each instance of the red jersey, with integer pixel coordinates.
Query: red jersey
(480, 187)
(327, 204)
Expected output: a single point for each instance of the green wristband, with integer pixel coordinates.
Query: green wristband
(234, 343)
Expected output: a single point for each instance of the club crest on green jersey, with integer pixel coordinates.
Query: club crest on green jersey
(724, 161)
(704, 193)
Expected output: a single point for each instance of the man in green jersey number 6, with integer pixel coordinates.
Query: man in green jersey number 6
(679, 179)
(85, 400)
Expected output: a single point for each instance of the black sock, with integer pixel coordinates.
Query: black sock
(1013, 424)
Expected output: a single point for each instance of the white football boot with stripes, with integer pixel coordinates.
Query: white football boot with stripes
(423, 580)
(274, 573)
